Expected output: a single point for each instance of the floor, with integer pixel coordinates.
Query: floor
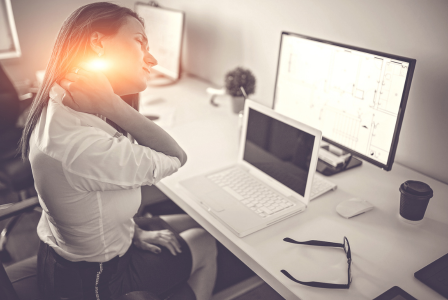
(24, 233)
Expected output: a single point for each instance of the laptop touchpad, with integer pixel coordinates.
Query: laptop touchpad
(217, 200)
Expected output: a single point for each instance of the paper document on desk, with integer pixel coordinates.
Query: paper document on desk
(157, 109)
(166, 116)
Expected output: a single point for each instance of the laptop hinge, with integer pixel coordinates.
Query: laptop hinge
(295, 199)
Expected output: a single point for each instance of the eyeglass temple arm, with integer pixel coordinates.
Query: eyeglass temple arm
(314, 243)
(317, 284)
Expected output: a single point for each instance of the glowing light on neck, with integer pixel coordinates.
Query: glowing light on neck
(98, 64)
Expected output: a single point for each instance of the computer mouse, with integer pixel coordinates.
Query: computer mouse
(353, 207)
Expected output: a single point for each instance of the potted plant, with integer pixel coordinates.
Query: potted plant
(235, 80)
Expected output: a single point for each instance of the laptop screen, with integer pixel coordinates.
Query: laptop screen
(281, 151)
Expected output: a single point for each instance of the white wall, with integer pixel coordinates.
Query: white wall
(223, 34)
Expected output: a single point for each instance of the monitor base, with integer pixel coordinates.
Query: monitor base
(328, 170)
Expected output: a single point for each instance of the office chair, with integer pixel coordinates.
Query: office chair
(15, 174)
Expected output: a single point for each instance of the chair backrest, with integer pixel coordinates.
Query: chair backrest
(9, 102)
(7, 291)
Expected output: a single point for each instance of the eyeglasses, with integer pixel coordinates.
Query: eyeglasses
(345, 245)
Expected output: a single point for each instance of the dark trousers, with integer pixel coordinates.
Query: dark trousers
(136, 270)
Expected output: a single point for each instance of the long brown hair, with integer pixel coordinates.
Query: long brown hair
(70, 48)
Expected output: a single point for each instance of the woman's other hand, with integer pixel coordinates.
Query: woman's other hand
(88, 91)
(147, 240)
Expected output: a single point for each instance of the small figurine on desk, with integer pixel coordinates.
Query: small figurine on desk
(236, 81)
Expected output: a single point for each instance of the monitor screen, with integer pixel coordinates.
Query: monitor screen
(280, 150)
(356, 97)
(9, 43)
(164, 29)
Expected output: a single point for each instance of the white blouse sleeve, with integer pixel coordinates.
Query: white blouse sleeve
(95, 161)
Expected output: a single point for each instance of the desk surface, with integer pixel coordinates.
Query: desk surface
(386, 251)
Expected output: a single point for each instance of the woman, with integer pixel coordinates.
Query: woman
(88, 175)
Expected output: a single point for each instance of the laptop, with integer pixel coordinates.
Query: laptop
(272, 178)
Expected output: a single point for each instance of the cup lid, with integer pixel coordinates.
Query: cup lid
(416, 188)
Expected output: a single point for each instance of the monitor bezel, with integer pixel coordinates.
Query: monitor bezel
(179, 70)
(412, 62)
(16, 52)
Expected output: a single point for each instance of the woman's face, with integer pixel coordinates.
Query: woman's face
(127, 58)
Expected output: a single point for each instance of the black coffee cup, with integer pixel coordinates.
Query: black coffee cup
(414, 199)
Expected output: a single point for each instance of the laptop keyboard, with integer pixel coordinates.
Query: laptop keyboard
(257, 196)
(251, 192)
(319, 187)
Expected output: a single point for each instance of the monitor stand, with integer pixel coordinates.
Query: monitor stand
(333, 160)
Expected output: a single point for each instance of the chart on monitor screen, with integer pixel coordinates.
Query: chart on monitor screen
(353, 97)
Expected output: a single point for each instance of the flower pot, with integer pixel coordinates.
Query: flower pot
(237, 104)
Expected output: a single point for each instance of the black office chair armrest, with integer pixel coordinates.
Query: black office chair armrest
(6, 289)
(18, 208)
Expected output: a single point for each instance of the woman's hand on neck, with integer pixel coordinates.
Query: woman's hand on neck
(89, 91)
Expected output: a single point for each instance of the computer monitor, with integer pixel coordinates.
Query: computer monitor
(356, 97)
(164, 29)
(9, 42)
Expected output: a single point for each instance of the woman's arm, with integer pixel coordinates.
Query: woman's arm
(146, 132)
(91, 92)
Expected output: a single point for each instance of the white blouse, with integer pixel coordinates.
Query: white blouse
(88, 178)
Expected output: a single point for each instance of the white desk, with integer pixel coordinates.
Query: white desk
(385, 250)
